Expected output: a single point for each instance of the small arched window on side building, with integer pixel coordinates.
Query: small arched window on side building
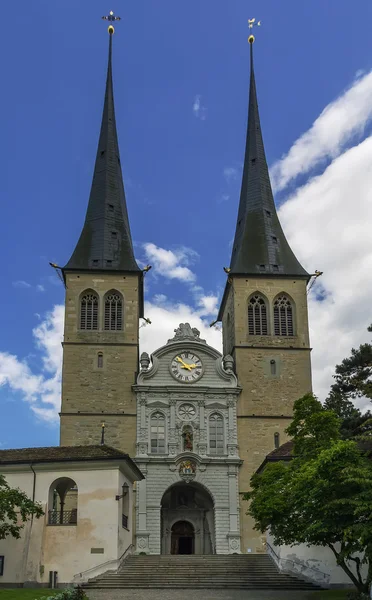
(283, 316)
(89, 311)
(257, 315)
(63, 502)
(276, 440)
(113, 311)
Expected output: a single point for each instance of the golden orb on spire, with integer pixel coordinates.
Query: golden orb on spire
(251, 39)
(110, 29)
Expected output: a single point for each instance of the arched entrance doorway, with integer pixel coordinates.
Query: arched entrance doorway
(187, 520)
(182, 538)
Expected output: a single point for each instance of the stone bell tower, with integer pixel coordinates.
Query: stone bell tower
(104, 301)
(264, 317)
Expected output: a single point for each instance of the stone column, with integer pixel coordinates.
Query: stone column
(173, 435)
(232, 446)
(142, 535)
(233, 535)
(142, 439)
(202, 446)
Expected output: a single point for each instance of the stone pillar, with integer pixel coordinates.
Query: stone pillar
(233, 535)
(142, 438)
(232, 446)
(142, 535)
(202, 446)
(173, 436)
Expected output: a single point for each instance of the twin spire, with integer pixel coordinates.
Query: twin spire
(260, 246)
(105, 242)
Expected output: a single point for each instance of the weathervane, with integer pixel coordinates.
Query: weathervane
(252, 23)
(111, 17)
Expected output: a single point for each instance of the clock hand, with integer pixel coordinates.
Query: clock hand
(184, 365)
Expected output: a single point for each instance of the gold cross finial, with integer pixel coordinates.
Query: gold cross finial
(111, 17)
(252, 23)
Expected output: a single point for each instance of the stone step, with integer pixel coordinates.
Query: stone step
(199, 572)
(207, 586)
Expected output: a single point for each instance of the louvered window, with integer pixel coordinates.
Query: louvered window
(89, 311)
(283, 316)
(113, 312)
(257, 316)
(157, 436)
(216, 434)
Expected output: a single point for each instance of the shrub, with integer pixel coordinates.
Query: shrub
(68, 594)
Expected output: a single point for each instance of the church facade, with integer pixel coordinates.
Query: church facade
(198, 423)
(187, 448)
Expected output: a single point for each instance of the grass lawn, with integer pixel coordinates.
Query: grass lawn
(25, 593)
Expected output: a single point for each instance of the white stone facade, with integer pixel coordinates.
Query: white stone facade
(204, 479)
(90, 544)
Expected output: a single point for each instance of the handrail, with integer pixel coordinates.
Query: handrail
(295, 562)
(118, 562)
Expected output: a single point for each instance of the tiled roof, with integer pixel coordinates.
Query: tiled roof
(64, 454)
(285, 452)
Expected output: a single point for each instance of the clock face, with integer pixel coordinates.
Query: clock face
(186, 367)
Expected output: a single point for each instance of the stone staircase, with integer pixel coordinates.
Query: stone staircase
(233, 571)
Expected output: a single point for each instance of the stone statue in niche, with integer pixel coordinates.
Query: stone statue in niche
(187, 440)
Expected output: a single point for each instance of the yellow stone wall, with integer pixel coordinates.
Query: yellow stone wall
(90, 394)
(265, 404)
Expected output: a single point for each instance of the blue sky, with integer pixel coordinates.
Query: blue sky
(181, 75)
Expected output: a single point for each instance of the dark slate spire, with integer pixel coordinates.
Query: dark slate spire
(260, 246)
(105, 242)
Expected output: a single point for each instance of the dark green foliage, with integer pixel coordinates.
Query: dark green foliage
(15, 505)
(353, 380)
(68, 594)
(323, 497)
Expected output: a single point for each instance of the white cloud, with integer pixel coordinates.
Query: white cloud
(331, 131)
(208, 305)
(198, 109)
(40, 288)
(164, 320)
(43, 390)
(230, 174)
(21, 284)
(171, 264)
(328, 224)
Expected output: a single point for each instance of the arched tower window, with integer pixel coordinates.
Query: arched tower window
(157, 436)
(216, 434)
(113, 311)
(283, 316)
(257, 315)
(89, 311)
(276, 440)
(100, 360)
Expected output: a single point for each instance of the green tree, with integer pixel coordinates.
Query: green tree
(353, 379)
(15, 510)
(323, 497)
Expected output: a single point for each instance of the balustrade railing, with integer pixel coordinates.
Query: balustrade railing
(62, 517)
